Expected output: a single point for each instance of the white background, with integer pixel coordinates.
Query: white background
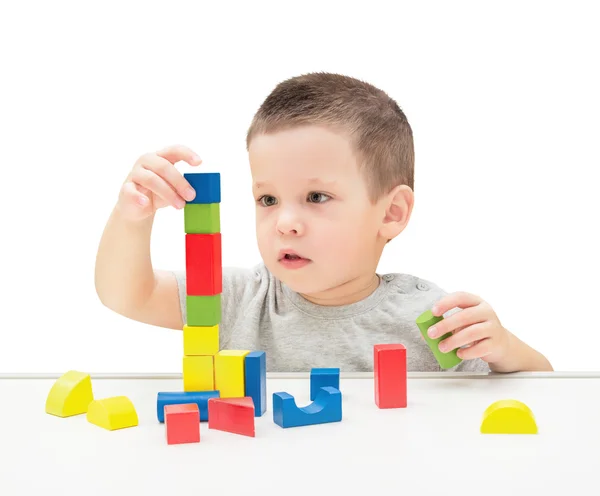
(503, 99)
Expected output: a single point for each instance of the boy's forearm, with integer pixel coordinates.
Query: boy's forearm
(124, 277)
(521, 358)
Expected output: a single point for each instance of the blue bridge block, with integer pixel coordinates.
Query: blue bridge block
(255, 380)
(321, 378)
(200, 398)
(327, 407)
(207, 186)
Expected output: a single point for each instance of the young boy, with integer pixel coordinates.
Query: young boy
(332, 165)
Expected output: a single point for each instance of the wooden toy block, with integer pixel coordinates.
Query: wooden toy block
(321, 377)
(198, 373)
(203, 311)
(112, 413)
(446, 360)
(390, 375)
(229, 373)
(70, 395)
(204, 274)
(200, 340)
(508, 417)
(207, 186)
(235, 415)
(327, 407)
(182, 423)
(255, 380)
(202, 218)
(200, 398)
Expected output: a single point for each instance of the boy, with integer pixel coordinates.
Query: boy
(332, 165)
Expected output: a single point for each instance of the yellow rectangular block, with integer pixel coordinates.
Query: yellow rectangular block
(198, 373)
(200, 340)
(229, 373)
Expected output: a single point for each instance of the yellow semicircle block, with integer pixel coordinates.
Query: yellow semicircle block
(508, 417)
(70, 395)
(112, 413)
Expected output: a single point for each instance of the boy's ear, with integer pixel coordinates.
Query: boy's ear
(398, 205)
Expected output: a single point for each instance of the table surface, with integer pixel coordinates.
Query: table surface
(432, 445)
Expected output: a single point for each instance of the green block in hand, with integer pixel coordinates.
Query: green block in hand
(446, 360)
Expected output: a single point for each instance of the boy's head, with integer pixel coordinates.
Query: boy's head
(332, 164)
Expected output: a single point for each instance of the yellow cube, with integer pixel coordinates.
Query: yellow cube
(200, 340)
(230, 373)
(198, 373)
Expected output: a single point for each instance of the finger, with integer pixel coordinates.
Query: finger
(459, 299)
(477, 350)
(148, 179)
(176, 153)
(133, 196)
(464, 318)
(465, 337)
(163, 168)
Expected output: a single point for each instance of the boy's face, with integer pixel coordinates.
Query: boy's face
(311, 199)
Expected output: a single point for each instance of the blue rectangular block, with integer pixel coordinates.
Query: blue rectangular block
(207, 186)
(200, 398)
(322, 378)
(255, 370)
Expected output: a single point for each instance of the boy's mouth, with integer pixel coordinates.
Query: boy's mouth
(291, 256)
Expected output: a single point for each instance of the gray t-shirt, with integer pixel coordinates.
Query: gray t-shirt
(259, 312)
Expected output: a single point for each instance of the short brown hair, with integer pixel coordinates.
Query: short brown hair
(379, 131)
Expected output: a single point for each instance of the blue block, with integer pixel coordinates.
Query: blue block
(327, 407)
(255, 380)
(321, 378)
(200, 398)
(207, 186)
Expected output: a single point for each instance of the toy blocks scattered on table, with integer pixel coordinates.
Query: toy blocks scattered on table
(322, 377)
(327, 407)
(199, 398)
(235, 415)
(508, 417)
(390, 375)
(112, 413)
(255, 380)
(182, 423)
(230, 373)
(70, 395)
(446, 360)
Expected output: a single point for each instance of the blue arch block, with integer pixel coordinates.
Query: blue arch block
(322, 377)
(327, 407)
(200, 398)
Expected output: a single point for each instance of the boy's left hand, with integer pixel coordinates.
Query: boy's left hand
(475, 325)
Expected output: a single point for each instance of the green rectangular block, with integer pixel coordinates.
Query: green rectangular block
(203, 310)
(202, 218)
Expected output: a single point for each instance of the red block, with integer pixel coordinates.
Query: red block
(182, 423)
(204, 270)
(390, 375)
(234, 415)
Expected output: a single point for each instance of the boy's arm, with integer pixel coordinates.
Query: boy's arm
(521, 357)
(125, 280)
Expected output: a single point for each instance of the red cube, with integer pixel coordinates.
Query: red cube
(182, 423)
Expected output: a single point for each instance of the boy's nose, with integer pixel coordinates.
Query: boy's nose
(288, 224)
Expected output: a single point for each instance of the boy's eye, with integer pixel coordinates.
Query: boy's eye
(315, 197)
(267, 200)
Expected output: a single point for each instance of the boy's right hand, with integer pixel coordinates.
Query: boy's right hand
(155, 183)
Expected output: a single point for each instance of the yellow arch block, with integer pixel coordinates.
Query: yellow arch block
(508, 417)
(112, 413)
(70, 395)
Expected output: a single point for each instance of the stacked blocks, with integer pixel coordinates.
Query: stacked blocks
(390, 374)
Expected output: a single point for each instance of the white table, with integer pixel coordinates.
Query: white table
(431, 447)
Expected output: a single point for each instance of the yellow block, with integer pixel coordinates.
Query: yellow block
(508, 417)
(200, 340)
(229, 373)
(113, 413)
(198, 373)
(70, 395)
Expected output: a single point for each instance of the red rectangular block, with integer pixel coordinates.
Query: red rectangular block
(204, 270)
(390, 375)
(235, 415)
(182, 423)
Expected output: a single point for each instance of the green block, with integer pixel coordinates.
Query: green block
(202, 218)
(203, 310)
(446, 360)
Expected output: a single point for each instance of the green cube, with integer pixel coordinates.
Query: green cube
(202, 218)
(203, 310)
